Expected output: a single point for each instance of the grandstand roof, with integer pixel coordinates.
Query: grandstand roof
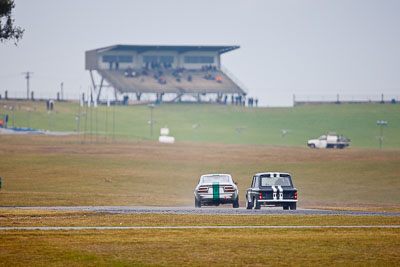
(179, 48)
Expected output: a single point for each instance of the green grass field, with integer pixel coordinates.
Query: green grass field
(219, 124)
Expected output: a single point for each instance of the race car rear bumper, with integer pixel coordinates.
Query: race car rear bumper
(222, 196)
(276, 200)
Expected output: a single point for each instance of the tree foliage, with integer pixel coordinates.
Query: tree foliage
(7, 29)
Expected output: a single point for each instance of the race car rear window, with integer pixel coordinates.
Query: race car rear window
(270, 181)
(220, 179)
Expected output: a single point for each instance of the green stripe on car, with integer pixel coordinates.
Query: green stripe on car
(216, 190)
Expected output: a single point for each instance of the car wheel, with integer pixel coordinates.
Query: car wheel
(256, 205)
(197, 203)
(285, 207)
(312, 146)
(249, 205)
(293, 206)
(236, 203)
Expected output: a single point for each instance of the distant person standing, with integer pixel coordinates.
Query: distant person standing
(5, 120)
(256, 102)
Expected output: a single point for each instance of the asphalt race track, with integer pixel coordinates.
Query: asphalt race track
(223, 210)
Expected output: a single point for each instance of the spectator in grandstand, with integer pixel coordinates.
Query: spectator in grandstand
(126, 100)
(128, 72)
(218, 79)
(209, 76)
(189, 78)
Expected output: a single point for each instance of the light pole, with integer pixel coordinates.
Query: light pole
(28, 118)
(151, 107)
(195, 127)
(381, 123)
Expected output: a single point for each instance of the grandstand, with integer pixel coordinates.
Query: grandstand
(160, 70)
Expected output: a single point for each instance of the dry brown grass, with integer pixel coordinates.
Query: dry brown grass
(18, 217)
(46, 171)
(202, 247)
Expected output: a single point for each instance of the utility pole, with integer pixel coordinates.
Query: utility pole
(151, 107)
(27, 77)
(62, 91)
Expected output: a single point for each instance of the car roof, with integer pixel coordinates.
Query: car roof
(263, 173)
(216, 174)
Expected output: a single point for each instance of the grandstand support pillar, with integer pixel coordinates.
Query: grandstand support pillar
(96, 90)
(115, 95)
(100, 87)
(177, 98)
(138, 96)
(91, 77)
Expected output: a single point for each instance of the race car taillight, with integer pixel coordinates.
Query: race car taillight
(295, 195)
(203, 189)
(260, 196)
(229, 189)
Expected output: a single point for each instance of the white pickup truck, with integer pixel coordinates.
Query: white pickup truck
(329, 141)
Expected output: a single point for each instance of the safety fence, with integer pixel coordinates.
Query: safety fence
(344, 99)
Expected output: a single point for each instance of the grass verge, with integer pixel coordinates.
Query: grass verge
(202, 247)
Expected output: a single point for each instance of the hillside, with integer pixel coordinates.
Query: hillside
(217, 123)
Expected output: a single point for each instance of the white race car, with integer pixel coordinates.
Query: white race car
(215, 189)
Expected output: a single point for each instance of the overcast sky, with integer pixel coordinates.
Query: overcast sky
(312, 47)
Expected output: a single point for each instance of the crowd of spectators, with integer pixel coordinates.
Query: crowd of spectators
(156, 69)
(129, 73)
(209, 76)
(158, 75)
(251, 102)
